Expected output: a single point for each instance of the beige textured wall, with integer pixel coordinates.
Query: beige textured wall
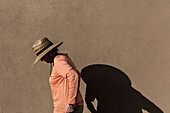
(132, 35)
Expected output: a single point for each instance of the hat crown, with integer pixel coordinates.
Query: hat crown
(40, 44)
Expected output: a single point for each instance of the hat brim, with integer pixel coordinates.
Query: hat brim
(46, 51)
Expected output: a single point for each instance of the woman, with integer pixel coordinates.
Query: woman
(64, 79)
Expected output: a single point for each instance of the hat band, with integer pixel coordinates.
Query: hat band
(44, 49)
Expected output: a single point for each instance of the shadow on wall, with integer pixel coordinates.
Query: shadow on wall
(113, 91)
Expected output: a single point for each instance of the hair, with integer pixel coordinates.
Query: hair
(53, 52)
(54, 49)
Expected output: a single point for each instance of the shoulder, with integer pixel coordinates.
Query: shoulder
(62, 64)
(61, 57)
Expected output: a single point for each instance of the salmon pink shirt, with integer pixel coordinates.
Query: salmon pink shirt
(64, 82)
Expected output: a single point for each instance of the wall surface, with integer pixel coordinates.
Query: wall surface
(132, 35)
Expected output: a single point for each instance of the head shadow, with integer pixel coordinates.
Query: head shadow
(113, 91)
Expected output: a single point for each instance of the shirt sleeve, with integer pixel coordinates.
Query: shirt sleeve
(72, 76)
(62, 67)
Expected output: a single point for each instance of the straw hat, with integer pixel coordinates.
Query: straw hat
(43, 46)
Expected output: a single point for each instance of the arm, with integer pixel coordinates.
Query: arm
(73, 79)
(66, 70)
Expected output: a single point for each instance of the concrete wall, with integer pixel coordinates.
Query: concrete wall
(132, 35)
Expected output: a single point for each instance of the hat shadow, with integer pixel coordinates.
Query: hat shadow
(113, 91)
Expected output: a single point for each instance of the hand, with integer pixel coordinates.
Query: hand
(69, 108)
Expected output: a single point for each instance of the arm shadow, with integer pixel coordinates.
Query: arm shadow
(113, 91)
